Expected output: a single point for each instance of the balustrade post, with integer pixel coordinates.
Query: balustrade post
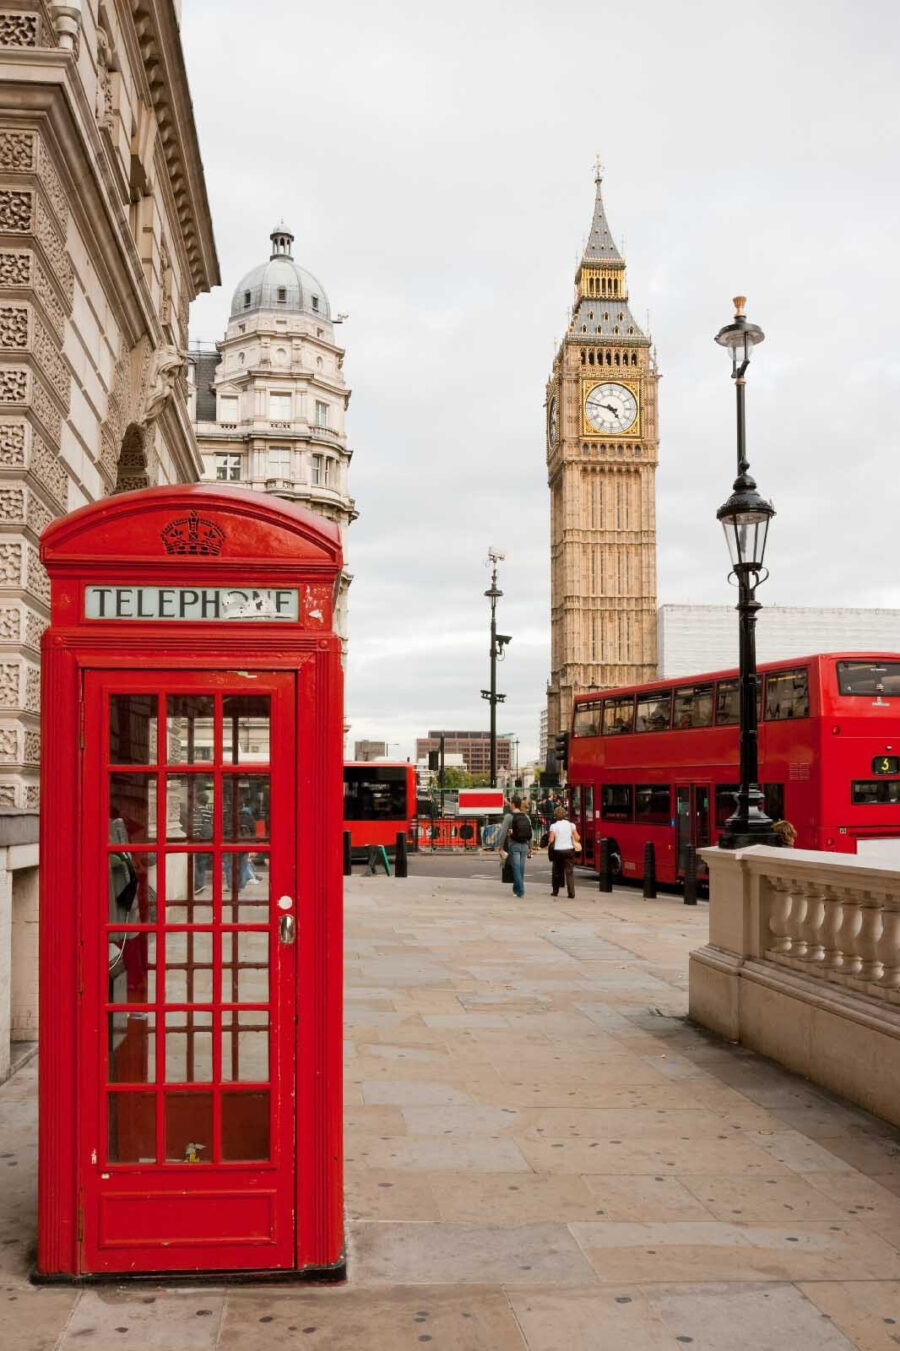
(869, 936)
(797, 920)
(831, 929)
(889, 944)
(813, 922)
(781, 901)
(851, 918)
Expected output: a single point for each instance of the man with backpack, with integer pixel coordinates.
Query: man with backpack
(517, 840)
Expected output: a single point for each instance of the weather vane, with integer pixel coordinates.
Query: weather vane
(598, 169)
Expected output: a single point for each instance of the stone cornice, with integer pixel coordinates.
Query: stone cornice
(156, 24)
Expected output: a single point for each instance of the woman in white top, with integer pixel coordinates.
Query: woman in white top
(565, 844)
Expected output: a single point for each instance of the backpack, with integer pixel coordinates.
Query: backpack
(520, 829)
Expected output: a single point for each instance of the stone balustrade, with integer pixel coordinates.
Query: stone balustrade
(803, 964)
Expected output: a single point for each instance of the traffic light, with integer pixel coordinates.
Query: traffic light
(561, 748)
(434, 759)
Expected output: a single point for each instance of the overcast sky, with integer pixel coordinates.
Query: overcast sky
(436, 166)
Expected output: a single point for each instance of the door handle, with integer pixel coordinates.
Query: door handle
(287, 929)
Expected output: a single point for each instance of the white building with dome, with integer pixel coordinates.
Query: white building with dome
(269, 401)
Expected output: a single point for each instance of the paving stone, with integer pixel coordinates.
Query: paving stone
(748, 1318)
(867, 1312)
(461, 1254)
(32, 1318)
(471, 1318)
(108, 1319)
(581, 1320)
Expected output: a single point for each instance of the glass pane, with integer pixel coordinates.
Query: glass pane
(131, 967)
(189, 807)
(132, 887)
(189, 973)
(245, 729)
(189, 1057)
(245, 1045)
(132, 808)
(189, 728)
(245, 967)
(245, 888)
(787, 695)
(618, 716)
(189, 882)
(653, 712)
(245, 807)
(245, 1126)
(131, 1046)
(131, 1128)
(132, 729)
(189, 1127)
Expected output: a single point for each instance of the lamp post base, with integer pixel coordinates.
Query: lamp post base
(749, 824)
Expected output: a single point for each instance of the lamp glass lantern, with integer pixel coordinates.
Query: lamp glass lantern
(745, 519)
(739, 337)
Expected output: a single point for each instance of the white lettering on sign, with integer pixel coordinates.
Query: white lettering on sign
(191, 603)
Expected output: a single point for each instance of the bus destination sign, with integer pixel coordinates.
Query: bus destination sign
(191, 603)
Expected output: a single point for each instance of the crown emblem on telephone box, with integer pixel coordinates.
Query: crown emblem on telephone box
(193, 534)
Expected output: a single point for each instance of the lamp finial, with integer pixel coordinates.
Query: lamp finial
(740, 304)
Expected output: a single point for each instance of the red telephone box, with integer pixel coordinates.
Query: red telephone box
(190, 1068)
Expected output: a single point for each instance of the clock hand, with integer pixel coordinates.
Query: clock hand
(609, 407)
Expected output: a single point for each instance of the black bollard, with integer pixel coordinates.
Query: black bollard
(605, 883)
(400, 855)
(348, 866)
(690, 875)
(649, 871)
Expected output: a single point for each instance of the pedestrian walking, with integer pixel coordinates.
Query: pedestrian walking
(516, 841)
(565, 843)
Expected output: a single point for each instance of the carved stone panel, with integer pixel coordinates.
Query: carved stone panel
(18, 30)
(8, 794)
(10, 623)
(32, 748)
(9, 684)
(12, 443)
(9, 744)
(11, 563)
(32, 689)
(18, 151)
(37, 582)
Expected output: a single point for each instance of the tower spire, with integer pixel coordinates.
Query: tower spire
(600, 246)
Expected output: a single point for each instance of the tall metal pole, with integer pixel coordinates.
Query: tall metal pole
(493, 595)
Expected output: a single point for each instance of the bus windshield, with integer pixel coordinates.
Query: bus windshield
(881, 678)
(374, 793)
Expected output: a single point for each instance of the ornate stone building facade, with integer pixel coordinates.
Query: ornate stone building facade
(105, 238)
(269, 401)
(602, 444)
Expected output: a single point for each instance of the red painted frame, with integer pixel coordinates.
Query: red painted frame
(264, 542)
(814, 757)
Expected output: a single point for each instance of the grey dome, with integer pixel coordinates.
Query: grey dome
(280, 285)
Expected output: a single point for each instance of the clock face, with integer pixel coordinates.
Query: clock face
(553, 422)
(610, 408)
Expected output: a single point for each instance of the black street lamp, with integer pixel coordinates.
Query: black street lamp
(745, 519)
(498, 642)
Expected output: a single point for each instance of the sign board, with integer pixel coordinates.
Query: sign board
(191, 603)
(480, 801)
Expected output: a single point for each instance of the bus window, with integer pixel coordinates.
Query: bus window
(618, 716)
(725, 802)
(651, 804)
(787, 695)
(575, 799)
(654, 712)
(728, 702)
(615, 802)
(773, 793)
(694, 706)
(875, 792)
(881, 678)
(374, 793)
(587, 719)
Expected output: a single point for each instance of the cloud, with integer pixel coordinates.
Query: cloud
(436, 167)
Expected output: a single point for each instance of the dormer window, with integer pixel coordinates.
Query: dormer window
(282, 295)
(315, 303)
(247, 298)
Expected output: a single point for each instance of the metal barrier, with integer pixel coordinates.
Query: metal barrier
(448, 832)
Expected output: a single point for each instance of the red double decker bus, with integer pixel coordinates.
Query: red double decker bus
(659, 763)
(379, 802)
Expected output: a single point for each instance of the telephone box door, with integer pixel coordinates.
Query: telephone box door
(188, 933)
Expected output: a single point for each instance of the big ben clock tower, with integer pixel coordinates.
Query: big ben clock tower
(602, 446)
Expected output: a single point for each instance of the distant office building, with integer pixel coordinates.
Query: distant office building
(474, 747)
(695, 638)
(369, 750)
(542, 738)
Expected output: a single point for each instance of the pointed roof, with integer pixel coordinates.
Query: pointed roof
(600, 246)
